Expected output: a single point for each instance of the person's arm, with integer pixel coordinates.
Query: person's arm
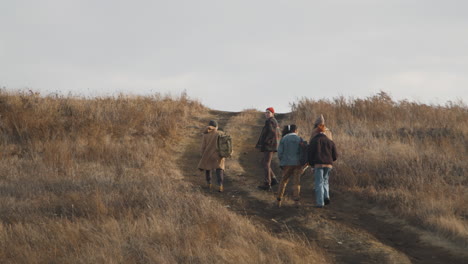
(261, 139)
(334, 152)
(272, 135)
(273, 129)
(311, 153)
(281, 149)
(299, 147)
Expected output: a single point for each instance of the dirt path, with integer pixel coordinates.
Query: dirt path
(349, 230)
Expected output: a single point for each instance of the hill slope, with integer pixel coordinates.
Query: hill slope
(350, 230)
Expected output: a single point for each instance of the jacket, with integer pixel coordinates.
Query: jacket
(289, 150)
(210, 159)
(269, 138)
(327, 133)
(322, 151)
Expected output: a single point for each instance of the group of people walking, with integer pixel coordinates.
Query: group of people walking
(294, 154)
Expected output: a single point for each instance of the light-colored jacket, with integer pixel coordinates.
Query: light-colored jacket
(289, 150)
(210, 159)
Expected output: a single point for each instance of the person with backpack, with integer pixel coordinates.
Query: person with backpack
(322, 153)
(211, 160)
(268, 144)
(289, 153)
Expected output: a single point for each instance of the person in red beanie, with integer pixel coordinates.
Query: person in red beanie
(268, 144)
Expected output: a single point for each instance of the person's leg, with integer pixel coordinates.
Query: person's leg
(220, 177)
(267, 156)
(326, 193)
(296, 178)
(318, 175)
(273, 178)
(284, 181)
(208, 178)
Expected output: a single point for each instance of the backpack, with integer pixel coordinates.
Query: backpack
(224, 145)
(303, 152)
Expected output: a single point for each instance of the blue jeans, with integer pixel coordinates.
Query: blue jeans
(321, 176)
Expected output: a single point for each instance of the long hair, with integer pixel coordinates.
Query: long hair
(321, 128)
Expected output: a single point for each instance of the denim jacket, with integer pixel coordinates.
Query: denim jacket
(289, 150)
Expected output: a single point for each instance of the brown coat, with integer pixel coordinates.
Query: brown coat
(210, 158)
(270, 137)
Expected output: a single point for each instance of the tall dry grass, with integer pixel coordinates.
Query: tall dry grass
(409, 156)
(97, 181)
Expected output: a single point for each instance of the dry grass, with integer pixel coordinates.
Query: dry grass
(96, 181)
(411, 157)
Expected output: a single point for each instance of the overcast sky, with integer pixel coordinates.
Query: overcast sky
(233, 55)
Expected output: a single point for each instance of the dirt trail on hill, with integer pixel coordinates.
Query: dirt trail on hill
(349, 230)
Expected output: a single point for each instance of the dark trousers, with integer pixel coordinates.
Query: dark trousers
(266, 163)
(219, 176)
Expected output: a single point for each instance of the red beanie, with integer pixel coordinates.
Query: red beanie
(271, 109)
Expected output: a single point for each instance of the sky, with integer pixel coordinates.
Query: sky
(236, 54)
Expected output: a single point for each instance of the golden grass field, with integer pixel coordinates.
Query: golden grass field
(410, 157)
(97, 181)
(103, 181)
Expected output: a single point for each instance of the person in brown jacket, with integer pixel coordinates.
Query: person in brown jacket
(268, 144)
(210, 159)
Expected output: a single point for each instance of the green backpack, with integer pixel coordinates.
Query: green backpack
(224, 145)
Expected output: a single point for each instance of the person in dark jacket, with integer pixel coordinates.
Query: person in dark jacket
(268, 144)
(322, 154)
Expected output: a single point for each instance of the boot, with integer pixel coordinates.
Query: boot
(274, 181)
(221, 188)
(265, 187)
(279, 202)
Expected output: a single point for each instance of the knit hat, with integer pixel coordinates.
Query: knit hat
(319, 121)
(271, 109)
(213, 123)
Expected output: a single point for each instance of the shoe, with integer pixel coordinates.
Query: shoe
(264, 187)
(318, 206)
(210, 186)
(326, 201)
(297, 204)
(279, 202)
(274, 181)
(221, 188)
